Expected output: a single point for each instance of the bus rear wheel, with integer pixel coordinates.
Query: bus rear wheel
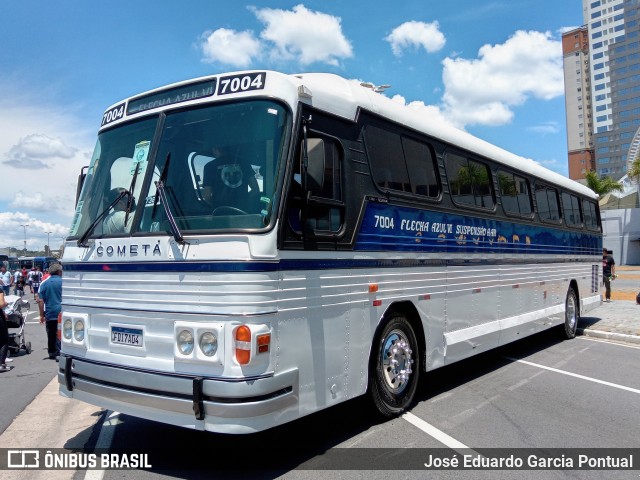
(571, 314)
(394, 367)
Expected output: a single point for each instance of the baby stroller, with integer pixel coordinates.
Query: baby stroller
(16, 312)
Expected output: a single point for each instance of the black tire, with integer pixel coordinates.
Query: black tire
(28, 348)
(394, 367)
(571, 314)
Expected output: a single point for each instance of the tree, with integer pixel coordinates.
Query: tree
(602, 185)
(634, 171)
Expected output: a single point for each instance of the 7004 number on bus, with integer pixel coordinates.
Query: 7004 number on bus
(241, 83)
(113, 114)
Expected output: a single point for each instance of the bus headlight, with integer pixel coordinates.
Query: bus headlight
(209, 344)
(78, 331)
(185, 342)
(67, 329)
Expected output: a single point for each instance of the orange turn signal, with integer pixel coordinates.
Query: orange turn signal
(243, 344)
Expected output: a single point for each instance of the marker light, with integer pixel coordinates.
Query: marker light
(263, 342)
(185, 342)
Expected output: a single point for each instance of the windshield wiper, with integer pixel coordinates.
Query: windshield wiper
(160, 193)
(82, 241)
(162, 179)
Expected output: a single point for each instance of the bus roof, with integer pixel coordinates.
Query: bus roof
(345, 98)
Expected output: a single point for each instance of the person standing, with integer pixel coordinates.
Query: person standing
(5, 280)
(50, 305)
(30, 278)
(4, 335)
(608, 272)
(36, 280)
(17, 279)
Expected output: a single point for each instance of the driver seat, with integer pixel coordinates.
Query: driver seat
(233, 184)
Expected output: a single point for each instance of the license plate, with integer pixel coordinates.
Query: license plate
(126, 336)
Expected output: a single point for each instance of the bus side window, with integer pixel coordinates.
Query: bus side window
(590, 215)
(548, 205)
(514, 192)
(571, 207)
(386, 156)
(469, 181)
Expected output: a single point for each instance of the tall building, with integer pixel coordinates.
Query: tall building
(614, 59)
(577, 81)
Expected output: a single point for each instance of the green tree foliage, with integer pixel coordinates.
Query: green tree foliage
(602, 185)
(634, 172)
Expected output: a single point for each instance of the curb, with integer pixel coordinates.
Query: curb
(620, 337)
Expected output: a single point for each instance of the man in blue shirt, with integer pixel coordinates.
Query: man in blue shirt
(50, 304)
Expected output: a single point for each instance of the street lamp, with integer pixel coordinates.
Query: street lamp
(48, 247)
(25, 238)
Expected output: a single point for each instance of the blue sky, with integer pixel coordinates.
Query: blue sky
(493, 68)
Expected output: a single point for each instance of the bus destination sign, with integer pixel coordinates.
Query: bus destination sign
(226, 85)
(180, 94)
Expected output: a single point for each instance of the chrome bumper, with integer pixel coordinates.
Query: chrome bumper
(187, 400)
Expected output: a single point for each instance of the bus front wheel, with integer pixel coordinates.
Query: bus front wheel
(571, 314)
(394, 367)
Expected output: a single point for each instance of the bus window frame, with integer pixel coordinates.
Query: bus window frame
(471, 158)
(508, 213)
(403, 134)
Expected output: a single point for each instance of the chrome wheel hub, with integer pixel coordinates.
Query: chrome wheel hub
(396, 361)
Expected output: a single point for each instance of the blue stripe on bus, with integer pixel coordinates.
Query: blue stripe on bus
(392, 228)
(297, 265)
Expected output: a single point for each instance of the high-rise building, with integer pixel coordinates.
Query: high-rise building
(614, 60)
(577, 81)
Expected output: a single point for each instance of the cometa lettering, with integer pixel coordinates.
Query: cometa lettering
(145, 250)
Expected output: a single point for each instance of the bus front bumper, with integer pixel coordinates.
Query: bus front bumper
(230, 405)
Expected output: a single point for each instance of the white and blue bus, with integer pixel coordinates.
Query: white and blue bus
(10, 262)
(252, 247)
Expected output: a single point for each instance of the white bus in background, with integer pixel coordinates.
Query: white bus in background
(293, 241)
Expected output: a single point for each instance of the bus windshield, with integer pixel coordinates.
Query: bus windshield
(218, 167)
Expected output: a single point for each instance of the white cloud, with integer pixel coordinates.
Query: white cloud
(415, 35)
(298, 35)
(304, 35)
(484, 90)
(433, 112)
(12, 233)
(546, 128)
(54, 144)
(34, 150)
(230, 47)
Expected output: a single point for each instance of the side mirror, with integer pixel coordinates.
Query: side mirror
(315, 166)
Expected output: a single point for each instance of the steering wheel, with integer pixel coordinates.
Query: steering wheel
(229, 209)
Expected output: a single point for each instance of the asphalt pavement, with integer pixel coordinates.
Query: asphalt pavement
(618, 320)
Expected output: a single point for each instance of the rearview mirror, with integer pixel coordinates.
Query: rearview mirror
(315, 167)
